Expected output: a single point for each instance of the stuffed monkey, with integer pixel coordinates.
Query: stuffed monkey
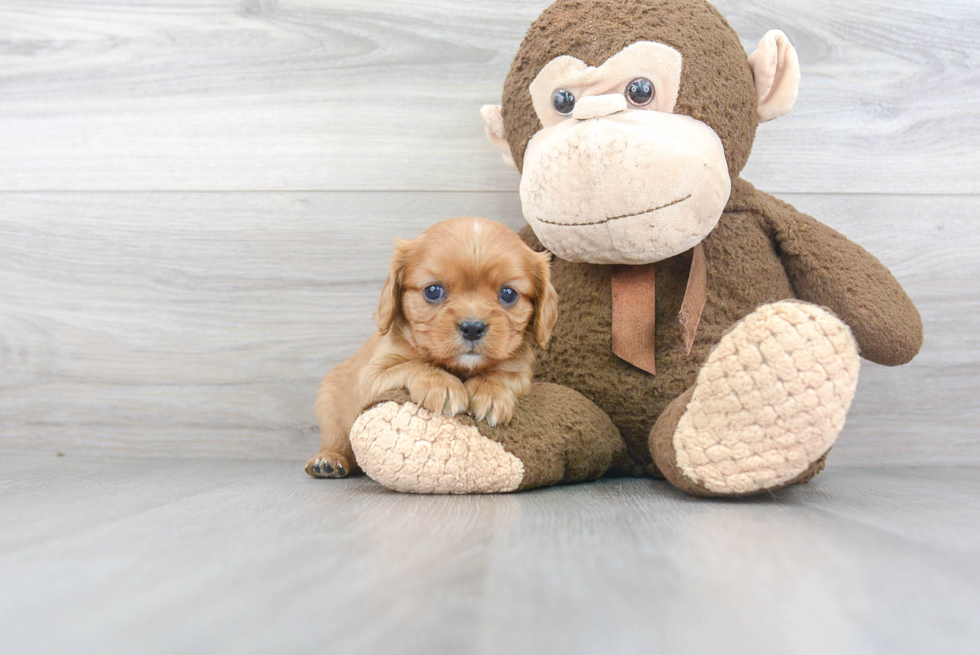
(708, 333)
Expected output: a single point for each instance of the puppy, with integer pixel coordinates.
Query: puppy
(458, 313)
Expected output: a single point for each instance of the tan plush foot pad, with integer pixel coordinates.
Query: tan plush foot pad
(408, 448)
(770, 400)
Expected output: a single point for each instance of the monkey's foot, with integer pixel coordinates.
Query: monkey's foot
(329, 465)
(409, 448)
(767, 405)
(556, 435)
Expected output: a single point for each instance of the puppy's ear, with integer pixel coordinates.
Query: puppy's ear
(546, 304)
(390, 303)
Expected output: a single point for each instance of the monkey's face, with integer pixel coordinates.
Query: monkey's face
(628, 121)
(614, 176)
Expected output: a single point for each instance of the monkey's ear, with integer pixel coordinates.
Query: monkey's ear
(776, 69)
(493, 120)
(390, 303)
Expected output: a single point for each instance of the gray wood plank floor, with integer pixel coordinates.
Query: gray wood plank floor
(163, 556)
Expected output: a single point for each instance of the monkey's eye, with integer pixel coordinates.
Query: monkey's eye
(640, 91)
(434, 293)
(564, 101)
(508, 296)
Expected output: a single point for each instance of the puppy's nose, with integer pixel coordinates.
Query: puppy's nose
(472, 330)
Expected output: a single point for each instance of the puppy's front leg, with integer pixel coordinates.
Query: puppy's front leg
(493, 395)
(433, 388)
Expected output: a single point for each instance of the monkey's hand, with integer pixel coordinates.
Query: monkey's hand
(827, 269)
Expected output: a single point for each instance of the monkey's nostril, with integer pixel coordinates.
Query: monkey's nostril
(472, 330)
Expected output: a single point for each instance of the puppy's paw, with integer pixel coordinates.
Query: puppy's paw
(438, 391)
(329, 465)
(491, 400)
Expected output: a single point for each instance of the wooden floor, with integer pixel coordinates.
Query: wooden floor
(165, 556)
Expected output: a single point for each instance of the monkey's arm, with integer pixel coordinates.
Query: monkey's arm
(827, 269)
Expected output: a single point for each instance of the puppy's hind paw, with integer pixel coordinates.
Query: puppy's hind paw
(329, 465)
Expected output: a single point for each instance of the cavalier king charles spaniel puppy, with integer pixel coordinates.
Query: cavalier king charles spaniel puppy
(458, 314)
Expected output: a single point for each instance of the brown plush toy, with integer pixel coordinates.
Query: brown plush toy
(708, 332)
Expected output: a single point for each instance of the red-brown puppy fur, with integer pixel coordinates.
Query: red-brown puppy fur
(421, 345)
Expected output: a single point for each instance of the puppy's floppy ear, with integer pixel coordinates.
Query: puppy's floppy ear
(390, 303)
(546, 304)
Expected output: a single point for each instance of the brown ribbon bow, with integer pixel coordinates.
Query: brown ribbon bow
(634, 310)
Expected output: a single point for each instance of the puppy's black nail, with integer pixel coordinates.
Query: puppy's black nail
(341, 470)
(316, 467)
(327, 469)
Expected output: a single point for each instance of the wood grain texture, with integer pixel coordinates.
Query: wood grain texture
(254, 557)
(201, 323)
(383, 95)
(191, 323)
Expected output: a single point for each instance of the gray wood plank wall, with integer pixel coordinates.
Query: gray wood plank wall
(197, 201)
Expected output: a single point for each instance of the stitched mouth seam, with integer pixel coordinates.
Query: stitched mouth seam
(616, 218)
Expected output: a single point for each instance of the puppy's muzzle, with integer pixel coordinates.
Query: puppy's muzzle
(472, 330)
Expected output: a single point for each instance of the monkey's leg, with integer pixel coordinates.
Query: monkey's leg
(766, 407)
(557, 435)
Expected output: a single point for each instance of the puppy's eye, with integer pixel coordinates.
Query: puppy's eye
(434, 293)
(640, 91)
(564, 101)
(508, 296)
